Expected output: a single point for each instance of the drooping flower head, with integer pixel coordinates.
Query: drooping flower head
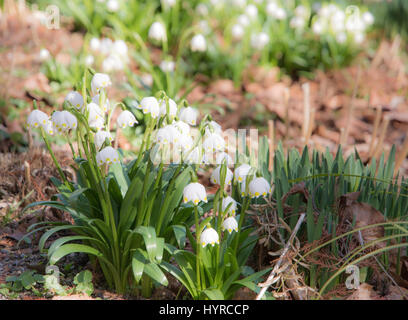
(172, 108)
(100, 138)
(107, 155)
(150, 105)
(37, 118)
(126, 119)
(259, 187)
(157, 32)
(213, 142)
(229, 201)
(216, 176)
(209, 236)
(75, 99)
(63, 121)
(198, 43)
(189, 115)
(194, 192)
(100, 81)
(230, 224)
(242, 172)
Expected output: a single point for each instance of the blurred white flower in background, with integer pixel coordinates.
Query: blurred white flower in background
(167, 65)
(112, 5)
(95, 44)
(251, 11)
(239, 3)
(105, 107)
(202, 9)
(243, 20)
(44, 54)
(157, 32)
(259, 40)
(147, 79)
(198, 43)
(341, 37)
(89, 60)
(237, 32)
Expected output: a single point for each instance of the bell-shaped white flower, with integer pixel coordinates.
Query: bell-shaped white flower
(318, 27)
(75, 99)
(213, 142)
(202, 9)
(126, 119)
(168, 134)
(229, 201)
(184, 143)
(242, 172)
(194, 192)
(183, 127)
(37, 118)
(113, 63)
(230, 224)
(259, 40)
(251, 11)
(157, 32)
(89, 60)
(198, 43)
(341, 37)
(63, 121)
(105, 107)
(259, 187)
(150, 105)
(112, 5)
(243, 20)
(100, 138)
(209, 236)
(167, 66)
(298, 22)
(194, 156)
(106, 46)
(97, 124)
(107, 155)
(216, 176)
(95, 44)
(189, 115)
(100, 81)
(368, 18)
(213, 126)
(44, 54)
(94, 112)
(280, 14)
(120, 48)
(172, 108)
(237, 32)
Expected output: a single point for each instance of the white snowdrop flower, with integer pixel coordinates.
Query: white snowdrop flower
(95, 44)
(204, 27)
(94, 112)
(112, 5)
(105, 46)
(213, 126)
(198, 43)
(100, 138)
(168, 134)
(98, 124)
(237, 32)
(37, 118)
(147, 79)
(202, 9)
(242, 172)
(189, 115)
(49, 128)
(194, 156)
(317, 27)
(194, 192)
(107, 155)
(216, 176)
(183, 127)
(280, 14)
(168, 3)
(239, 3)
(354, 24)
(126, 119)
(258, 1)
(105, 107)
(113, 63)
(230, 224)
(243, 20)
(89, 60)
(271, 8)
(338, 18)
(157, 32)
(44, 54)
(341, 37)
(75, 99)
(229, 201)
(222, 157)
(214, 142)
(167, 66)
(63, 121)
(368, 18)
(301, 11)
(259, 187)
(359, 37)
(150, 105)
(209, 236)
(251, 11)
(259, 40)
(120, 48)
(100, 81)
(184, 143)
(297, 22)
(172, 108)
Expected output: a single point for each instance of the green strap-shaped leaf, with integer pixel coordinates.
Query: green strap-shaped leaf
(180, 234)
(139, 260)
(71, 248)
(214, 294)
(154, 272)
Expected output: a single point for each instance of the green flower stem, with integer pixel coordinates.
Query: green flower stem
(167, 199)
(245, 206)
(198, 235)
(71, 146)
(61, 173)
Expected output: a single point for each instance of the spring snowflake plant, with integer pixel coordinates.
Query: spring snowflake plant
(132, 218)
